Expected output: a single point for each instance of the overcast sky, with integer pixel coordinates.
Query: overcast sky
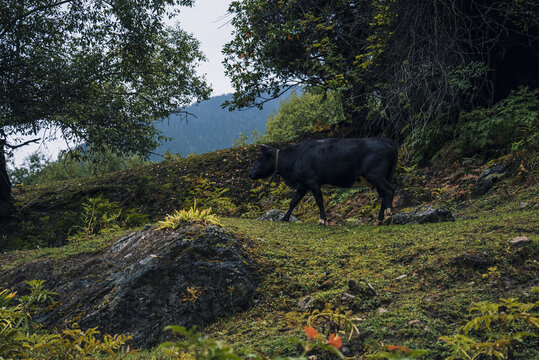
(208, 22)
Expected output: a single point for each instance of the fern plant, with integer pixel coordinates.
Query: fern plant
(495, 331)
(509, 125)
(192, 216)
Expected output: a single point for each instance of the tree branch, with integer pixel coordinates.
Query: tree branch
(22, 144)
(30, 12)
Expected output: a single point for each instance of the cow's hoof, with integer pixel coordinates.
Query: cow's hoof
(378, 223)
(388, 213)
(322, 222)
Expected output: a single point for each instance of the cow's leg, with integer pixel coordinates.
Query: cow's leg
(386, 191)
(317, 193)
(300, 193)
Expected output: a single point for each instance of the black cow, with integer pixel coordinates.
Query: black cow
(339, 162)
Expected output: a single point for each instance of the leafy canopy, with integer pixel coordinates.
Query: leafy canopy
(397, 65)
(100, 72)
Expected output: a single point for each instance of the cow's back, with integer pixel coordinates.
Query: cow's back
(341, 162)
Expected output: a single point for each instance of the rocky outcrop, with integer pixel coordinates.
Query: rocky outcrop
(504, 168)
(421, 216)
(147, 280)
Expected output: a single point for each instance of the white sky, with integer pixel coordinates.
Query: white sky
(207, 22)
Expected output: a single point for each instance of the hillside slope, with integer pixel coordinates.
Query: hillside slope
(424, 276)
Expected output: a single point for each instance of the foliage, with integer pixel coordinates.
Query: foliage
(22, 338)
(495, 330)
(396, 66)
(192, 216)
(195, 345)
(11, 321)
(244, 140)
(507, 126)
(334, 321)
(98, 214)
(132, 218)
(413, 182)
(36, 169)
(301, 114)
(98, 73)
(77, 344)
(209, 194)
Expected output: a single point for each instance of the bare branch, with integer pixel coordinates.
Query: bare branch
(22, 144)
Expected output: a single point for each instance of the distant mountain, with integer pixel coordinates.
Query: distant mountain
(211, 128)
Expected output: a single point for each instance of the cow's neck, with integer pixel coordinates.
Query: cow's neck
(282, 163)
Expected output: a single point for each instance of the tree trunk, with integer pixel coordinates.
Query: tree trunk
(6, 201)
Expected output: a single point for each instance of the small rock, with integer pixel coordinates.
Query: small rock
(523, 205)
(401, 277)
(381, 310)
(306, 302)
(347, 296)
(277, 215)
(414, 322)
(422, 215)
(519, 240)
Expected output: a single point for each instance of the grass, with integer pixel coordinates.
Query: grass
(430, 301)
(93, 244)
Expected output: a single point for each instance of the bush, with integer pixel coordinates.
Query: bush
(507, 126)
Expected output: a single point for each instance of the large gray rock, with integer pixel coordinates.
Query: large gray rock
(148, 280)
(277, 215)
(422, 215)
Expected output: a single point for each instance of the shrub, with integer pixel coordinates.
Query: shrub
(509, 125)
(98, 214)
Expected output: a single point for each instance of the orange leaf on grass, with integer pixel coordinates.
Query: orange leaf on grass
(311, 332)
(335, 341)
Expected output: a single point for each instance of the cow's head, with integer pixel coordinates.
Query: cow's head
(264, 165)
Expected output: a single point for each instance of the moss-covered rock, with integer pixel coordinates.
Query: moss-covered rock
(147, 280)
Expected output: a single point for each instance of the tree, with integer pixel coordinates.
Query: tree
(99, 72)
(397, 65)
(299, 115)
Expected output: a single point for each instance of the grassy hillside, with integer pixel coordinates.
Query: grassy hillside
(426, 276)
